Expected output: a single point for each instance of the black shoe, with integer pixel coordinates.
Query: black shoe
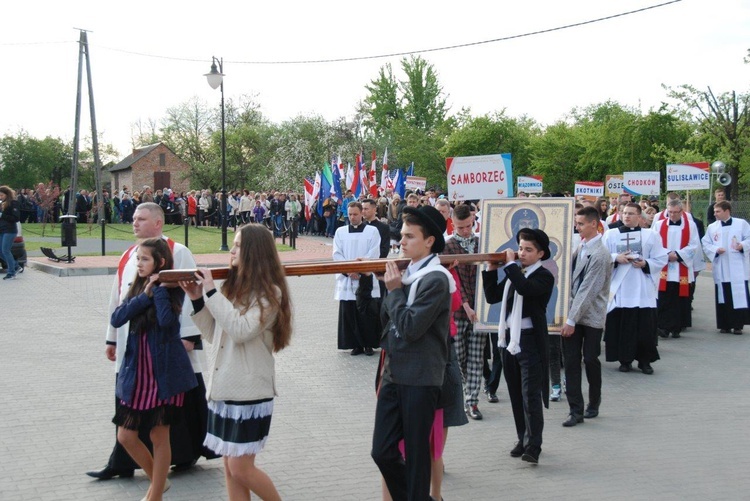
(357, 351)
(572, 420)
(474, 413)
(492, 398)
(725, 331)
(676, 335)
(369, 352)
(646, 368)
(590, 412)
(184, 466)
(662, 333)
(518, 450)
(107, 473)
(531, 455)
(737, 332)
(625, 367)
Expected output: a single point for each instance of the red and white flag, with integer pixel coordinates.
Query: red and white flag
(373, 176)
(384, 178)
(309, 198)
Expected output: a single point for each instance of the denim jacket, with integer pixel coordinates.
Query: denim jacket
(171, 364)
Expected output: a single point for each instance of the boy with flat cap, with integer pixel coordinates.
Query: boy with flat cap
(416, 315)
(524, 293)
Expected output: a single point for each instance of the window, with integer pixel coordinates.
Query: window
(162, 159)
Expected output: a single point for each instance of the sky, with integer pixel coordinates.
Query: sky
(149, 56)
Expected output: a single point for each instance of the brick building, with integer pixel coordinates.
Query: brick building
(155, 165)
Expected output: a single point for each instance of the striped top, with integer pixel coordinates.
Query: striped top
(146, 394)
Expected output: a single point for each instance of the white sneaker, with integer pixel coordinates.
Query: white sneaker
(555, 395)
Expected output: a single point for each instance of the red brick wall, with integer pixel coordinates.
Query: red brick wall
(144, 169)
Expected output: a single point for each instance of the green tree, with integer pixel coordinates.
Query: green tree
(723, 126)
(494, 134)
(555, 155)
(26, 161)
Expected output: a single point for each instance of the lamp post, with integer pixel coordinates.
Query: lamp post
(216, 79)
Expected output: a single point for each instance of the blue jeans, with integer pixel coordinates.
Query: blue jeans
(331, 225)
(6, 242)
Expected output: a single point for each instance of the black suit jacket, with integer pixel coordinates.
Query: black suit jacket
(536, 290)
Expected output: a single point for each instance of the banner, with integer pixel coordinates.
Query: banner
(529, 184)
(483, 177)
(589, 189)
(416, 183)
(695, 176)
(613, 185)
(642, 183)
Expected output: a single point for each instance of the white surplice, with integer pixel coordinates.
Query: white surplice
(674, 242)
(732, 266)
(348, 246)
(631, 287)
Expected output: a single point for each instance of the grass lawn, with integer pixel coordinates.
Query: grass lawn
(203, 240)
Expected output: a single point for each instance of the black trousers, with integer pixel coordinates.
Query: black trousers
(492, 372)
(524, 374)
(587, 341)
(354, 330)
(405, 412)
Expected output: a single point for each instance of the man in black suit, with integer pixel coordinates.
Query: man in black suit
(525, 292)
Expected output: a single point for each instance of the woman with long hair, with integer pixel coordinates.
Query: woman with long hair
(156, 371)
(244, 322)
(10, 214)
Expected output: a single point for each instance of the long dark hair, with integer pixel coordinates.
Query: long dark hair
(257, 277)
(162, 261)
(9, 197)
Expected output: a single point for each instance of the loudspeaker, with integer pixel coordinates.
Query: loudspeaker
(724, 179)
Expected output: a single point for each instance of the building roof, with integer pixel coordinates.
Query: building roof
(137, 154)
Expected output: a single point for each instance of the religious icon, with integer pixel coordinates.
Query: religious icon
(501, 221)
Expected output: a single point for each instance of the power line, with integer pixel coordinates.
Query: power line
(394, 54)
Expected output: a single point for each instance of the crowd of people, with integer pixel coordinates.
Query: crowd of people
(632, 281)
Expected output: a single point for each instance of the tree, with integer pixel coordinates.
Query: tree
(555, 155)
(382, 105)
(424, 103)
(723, 122)
(494, 134)
(26, 161)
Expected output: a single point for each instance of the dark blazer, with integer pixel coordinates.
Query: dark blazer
(385, 236)
(172, 369)
(536, 290)
(415, 337)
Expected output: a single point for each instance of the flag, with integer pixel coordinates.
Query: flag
(349, 176)
(384, 177)
(400, 183)
(355, 179)
(373, 185)
(309, 198)
(410, 171)
(364, 181)
(316, 192)
(337, 180)
(325, 188)
(340, 166)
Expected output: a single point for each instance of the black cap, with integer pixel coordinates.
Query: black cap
(541, 239)
(433, 222)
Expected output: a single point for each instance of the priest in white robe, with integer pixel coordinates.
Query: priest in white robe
(727, 246)
(638, 257)
(356, 240)
(679, 235)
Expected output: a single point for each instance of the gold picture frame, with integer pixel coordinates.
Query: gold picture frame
(501, 220)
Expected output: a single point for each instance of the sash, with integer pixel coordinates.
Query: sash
(684, 240)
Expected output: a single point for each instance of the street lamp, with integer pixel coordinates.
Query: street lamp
(216, 79)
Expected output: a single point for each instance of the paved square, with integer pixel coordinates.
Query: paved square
(679, 434)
